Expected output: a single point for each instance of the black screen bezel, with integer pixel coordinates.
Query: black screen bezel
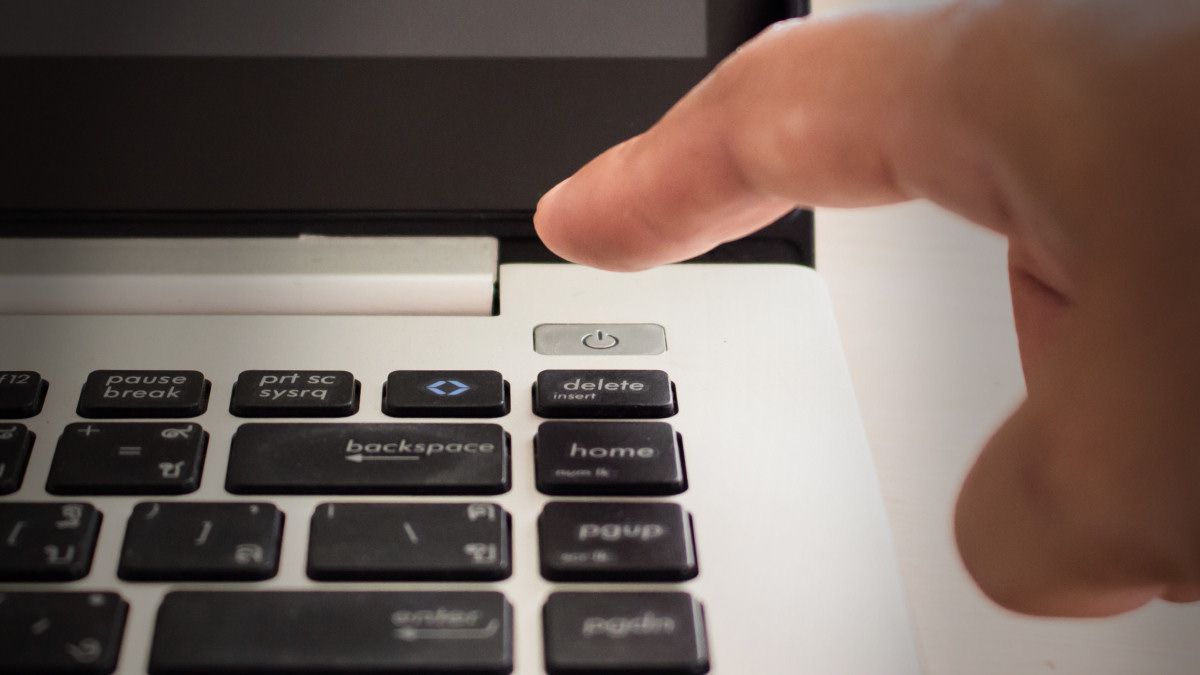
(125, 145)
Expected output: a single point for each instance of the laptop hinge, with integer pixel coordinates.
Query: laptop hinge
(279, 275)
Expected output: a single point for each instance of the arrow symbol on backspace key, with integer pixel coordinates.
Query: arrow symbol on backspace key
(359, 459)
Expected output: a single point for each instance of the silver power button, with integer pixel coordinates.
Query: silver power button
(600, 340)
(645, 339)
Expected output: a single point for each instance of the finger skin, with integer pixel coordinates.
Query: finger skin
(1038, 308)
(812, 112)
(1048, 121)
(1085, 502)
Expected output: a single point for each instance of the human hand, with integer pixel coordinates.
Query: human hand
(1070, 127)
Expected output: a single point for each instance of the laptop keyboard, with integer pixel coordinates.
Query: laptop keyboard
(143, 436)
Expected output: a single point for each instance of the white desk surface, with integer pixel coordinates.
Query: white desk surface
(923, 305)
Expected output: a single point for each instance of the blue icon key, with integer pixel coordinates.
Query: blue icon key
(445, 393)
(448, 387)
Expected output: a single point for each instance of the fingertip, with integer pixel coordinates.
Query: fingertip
(587, 218)
(548, 201)
(550, 222)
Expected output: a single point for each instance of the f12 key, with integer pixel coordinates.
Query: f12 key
(22, 393)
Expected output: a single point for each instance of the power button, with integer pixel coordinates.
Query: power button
(645, 339)
(600, 340)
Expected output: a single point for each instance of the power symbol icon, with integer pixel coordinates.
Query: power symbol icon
(600, 340)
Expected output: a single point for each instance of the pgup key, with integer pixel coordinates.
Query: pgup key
(128, 458)
(616, 541)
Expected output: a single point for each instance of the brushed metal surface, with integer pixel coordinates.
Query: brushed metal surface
(798, 574)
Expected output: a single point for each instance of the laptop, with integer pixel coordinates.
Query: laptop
(288, 385)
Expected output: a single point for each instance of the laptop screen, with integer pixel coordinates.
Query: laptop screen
(381, 28)
(372, 106)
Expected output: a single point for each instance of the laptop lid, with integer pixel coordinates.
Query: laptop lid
(266, 116)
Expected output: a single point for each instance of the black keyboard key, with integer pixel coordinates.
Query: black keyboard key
(47, 541)
(616, 541)
(604, 394)
(178, 541)
(445, 393)
(609, 458)
(409, 542)
(128, 458)
(295, 393)
(602, 633)
(407, 459)
(332, 632)
(15, 443)
(22, 393)
(143, 393)
(60, 632)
